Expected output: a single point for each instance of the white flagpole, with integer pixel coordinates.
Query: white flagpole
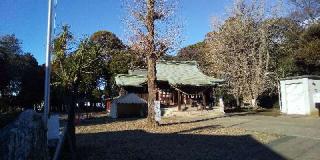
(48, 65)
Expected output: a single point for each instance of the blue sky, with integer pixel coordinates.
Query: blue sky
(27, 19)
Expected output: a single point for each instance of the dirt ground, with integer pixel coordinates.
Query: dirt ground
(198, 138)
(6, 118)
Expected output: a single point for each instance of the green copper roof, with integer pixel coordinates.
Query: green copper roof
(130, 80)
(174, 72)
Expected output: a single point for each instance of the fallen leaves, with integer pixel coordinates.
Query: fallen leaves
(176, 138)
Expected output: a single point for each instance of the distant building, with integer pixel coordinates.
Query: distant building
(178, 83)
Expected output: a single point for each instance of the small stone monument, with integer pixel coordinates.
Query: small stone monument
(221, 105)
(157, 110)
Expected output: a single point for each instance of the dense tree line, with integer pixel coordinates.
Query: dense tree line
(21, 77)
(87, 70)
(81, 72)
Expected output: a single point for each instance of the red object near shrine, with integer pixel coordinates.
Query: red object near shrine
(108, 104)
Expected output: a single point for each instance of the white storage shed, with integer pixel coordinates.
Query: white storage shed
(300, 95)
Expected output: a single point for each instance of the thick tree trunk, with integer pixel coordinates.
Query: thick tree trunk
(71, 136)
(152, 57)
(179, 101)
(204, 100)
(254, 103)
(238, 102)
(71, 130)
(151, 90)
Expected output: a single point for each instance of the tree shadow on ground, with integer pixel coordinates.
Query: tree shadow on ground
(208, 119)
(104, 120)
(141, 145)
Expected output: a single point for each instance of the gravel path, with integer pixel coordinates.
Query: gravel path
(200, 138)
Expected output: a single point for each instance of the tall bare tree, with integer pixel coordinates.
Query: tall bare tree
(153, 29)
(240, 51)
(306, 11)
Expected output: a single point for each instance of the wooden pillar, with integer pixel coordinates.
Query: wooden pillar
(179, 100)
(204, 101)
(173, 97)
